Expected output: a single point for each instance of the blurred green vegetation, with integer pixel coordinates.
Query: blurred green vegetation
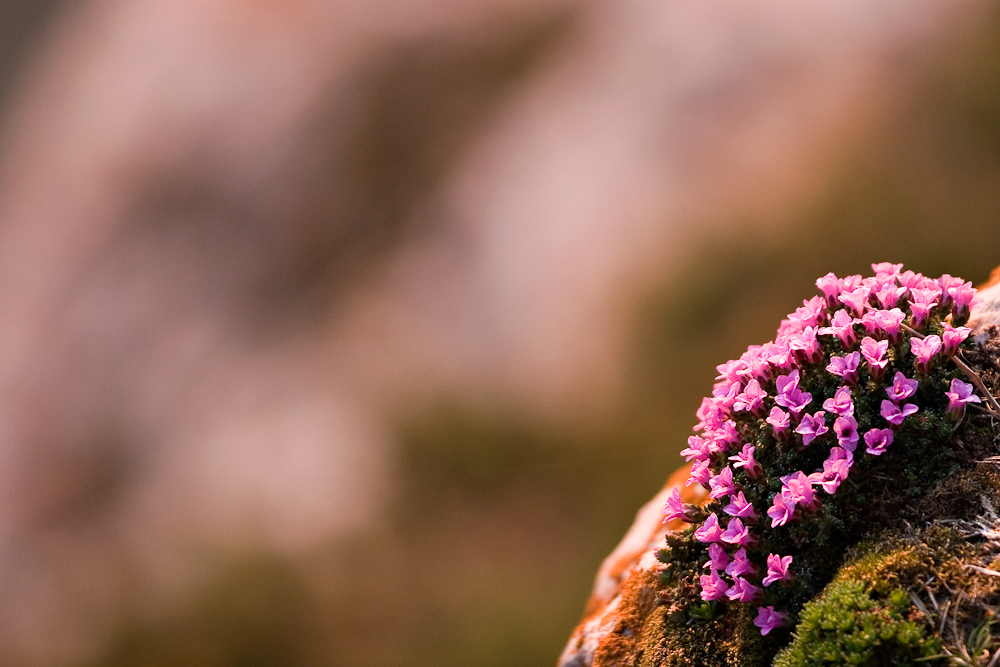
(500, 520)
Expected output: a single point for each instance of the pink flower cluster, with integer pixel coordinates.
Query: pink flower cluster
(863, 323)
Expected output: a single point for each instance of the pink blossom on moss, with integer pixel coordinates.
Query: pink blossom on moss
(798, 489)
(722, 484)
(743, 591)
(874, 353)
(837, 453)
(889, 295)
(781, 511)
(741, 566)
(834, 472)
(958, 395)
(811, 427)
(780, 356)
(811, 313)
(713, 586)
(886, 268)
(947, 284)
(841, 326)
(710, 531)
(829, 285)
(841, 403)
(737, 532)
(924, 350)
(718, 559)
(700, 473)
(768, 619)
(778, 570)
(877, 441)
(895, 414)
(741, 508)
(920, 313)
(846, 429)
(674, 509)
(709, 415)
(745, 459)
(889, 323)
(846, 368)
(751, 400)
(856, 299)
(952, 338)
(780, 422)
(902, 388)
(696, 449)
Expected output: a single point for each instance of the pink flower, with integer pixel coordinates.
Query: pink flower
(746, 461)
(709, 415)
(752, 399)
(960, 394)
(781, 511)
(718, 559)
(895, 415)
(743, 591)
(846, 429)
(780, 356)
(856, 299)
(700, 472)
(878, 440)
(921, 313)
(952, 338)
(901, 388)
(924, 349)
(696, 449)
(841, 326)
(874, 353)
(962, 295)
(777, 570)
(909, 279)
(812, 427)
(675, 509)
(841, 403)
(834, 472)
(737, 533)
(811, 313)
(846, 368)
(722, 484)
(740, 508)
(889, 322)
(926, 295)
(741, 565)
(713, 587)
(806, 346)
(798, 488)
(710, 531)
(889, 295)
(768, 619)
(886, 268)
(780, 422)
(830, 286)
(947, 284)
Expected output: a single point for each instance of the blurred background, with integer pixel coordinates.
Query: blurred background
(355, 332)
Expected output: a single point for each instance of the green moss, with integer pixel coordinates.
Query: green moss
(850, 624)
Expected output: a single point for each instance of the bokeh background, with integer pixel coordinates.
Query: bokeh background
(354, 332)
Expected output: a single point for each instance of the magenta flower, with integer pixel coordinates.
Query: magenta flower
(901, 388)
(780, 356)
(841, 403)
(768, 619)
(842, 326)
(741, 565)
(777, 570)
(752, 399)
(846, 429)
(886, 268)
(812, 427)
(856, 299)
(710, 531)
(738, 533)
(727, 435)
(780, 423)
(874, 353)
(835, 471)
(924, 349)
(952, 338)
(811, 313)
(894, 414)
(930, 295)
(921, 312)
(696, 449)
(713, 587)
(837, 453)
(718, 559)
(878, 440)
(960, 394)
(798, 489)
(675, 508)
(829, 285)
(910, 280)
(746, 461)
(806, 346)
(743, 591)
(722, 484)
(846, 368)
(962, 295)
(709, 415)
(889, 323)
(741, 508)
(700, 472)
(781, 511)
(889, 295)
